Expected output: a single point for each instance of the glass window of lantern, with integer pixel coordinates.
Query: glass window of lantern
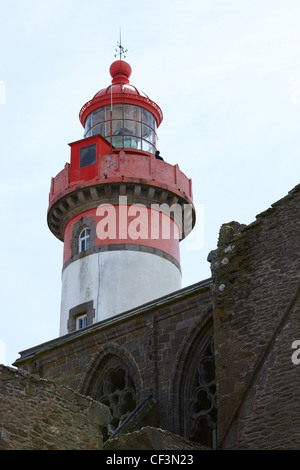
(118, 141)
(101, 128)
(117, 111)
(133, 127)
(132, 112)
(106, 133)
(124, 138)
(88, 122)
(131, 142)
(147, 147)
(147, 118)
(96, 130)
(128, 125)
(116, 127)
(97, 116)
(148, 134)
(107, 113)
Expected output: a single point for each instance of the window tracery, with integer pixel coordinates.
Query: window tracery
(203, 405)
(116, 390)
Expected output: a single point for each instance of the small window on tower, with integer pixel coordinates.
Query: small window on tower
(81, 321)
(87, 155)
(84, 240)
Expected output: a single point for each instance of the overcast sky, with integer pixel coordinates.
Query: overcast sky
(226, 74)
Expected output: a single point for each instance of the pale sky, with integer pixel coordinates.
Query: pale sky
(226, 74)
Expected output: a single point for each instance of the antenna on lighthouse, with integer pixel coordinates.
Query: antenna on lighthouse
(120, 49)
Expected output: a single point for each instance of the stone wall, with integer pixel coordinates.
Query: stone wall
(156, 347)
(36, 414)
(149, 438)
(256, 296)
(248, 313)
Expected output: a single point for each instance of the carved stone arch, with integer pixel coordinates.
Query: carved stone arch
(193, 389)
(100, 358)
(113, 379)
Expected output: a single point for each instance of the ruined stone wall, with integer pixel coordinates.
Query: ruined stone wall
(156, 347)
(250, 310)
(37, 414)
(256, 301)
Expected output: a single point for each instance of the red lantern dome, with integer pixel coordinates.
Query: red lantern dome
(119, 92)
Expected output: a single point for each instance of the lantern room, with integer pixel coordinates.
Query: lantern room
(124, 125)
(121, 114)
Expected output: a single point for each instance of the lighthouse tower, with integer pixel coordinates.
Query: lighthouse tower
(119, 208)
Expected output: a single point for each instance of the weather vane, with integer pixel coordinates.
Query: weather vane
(120, 49)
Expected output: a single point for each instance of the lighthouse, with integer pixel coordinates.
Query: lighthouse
(119, 208)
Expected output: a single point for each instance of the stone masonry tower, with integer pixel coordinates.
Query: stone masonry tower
(119, 208)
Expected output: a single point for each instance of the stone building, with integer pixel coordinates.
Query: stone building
(215, 362)
(38, 414)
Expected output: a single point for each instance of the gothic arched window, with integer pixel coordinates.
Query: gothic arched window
(114, 387)
(117, 391)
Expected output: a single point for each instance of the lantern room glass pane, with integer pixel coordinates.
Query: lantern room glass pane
(131, 142)
(107, 113)
(88, 122)
(98, 129)
(133, 128)
(107, 130)
(117, 111)
(147, 118)
(117, 126)
(147, 147)
(97, 116)
(132, 112)
(117, 141)
(148, 134)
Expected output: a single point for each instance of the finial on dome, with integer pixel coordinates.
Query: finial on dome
(120, 72)
(121, 52)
